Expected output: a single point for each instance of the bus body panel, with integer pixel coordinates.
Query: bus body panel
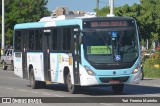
(85, 79)
(18, 64)
(120, 73)
(135, 78)
(54, 67)
(58, 61)
(89, 80)
(36, 60)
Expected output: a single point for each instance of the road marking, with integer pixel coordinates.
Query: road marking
(106, 104)
(152, 95)
(58, 95)
(9, 88)
(22, 90)
(34, 92)
(15, 78)
(149, 84)
(46, 94)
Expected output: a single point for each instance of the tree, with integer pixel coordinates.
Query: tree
(21, 11)
(103, 11)
(146, 14)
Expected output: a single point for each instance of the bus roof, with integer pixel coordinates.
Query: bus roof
(65, 22)
(49, 24)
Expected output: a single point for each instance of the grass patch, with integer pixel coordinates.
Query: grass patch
(151, 66)
(152, 72)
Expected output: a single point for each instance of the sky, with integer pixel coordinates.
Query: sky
(86, 5)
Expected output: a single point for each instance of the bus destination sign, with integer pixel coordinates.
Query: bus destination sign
(109, 24)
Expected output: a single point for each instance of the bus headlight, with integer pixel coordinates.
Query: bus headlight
(89, 71)
(136, 69)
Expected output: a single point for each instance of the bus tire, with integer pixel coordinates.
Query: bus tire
(4, 65)
(117, 88)
(71, 88)
(34, 84)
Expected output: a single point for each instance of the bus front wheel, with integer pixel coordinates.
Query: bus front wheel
(118, 88)
(34, 84)
(71, 88)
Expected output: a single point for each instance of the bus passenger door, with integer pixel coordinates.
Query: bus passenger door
(46, 52)
(76, 55)
(24, 55)
(18, 54)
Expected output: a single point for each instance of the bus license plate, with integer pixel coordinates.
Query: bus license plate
(114, 82)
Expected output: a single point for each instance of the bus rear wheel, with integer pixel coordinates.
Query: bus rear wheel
(117, 88)
(34, 84)
(71, 88)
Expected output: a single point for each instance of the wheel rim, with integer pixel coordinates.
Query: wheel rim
(69, 82)
(32, 80)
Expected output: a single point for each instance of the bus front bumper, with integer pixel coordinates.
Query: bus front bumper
(109, 80)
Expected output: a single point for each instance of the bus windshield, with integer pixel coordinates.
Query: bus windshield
(110, 45)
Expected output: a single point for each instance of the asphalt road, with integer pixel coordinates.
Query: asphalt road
(13, 86)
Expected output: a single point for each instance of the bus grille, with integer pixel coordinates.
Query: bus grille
(121, 79)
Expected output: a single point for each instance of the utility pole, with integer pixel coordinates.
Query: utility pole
(3, 29)
(97, 6)
(111, 5)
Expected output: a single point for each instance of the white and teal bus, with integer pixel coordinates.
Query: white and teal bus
(78, 52)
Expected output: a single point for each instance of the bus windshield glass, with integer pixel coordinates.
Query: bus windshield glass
(110, 45)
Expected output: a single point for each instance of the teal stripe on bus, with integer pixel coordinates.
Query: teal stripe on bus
(69, 22)
(30, 25)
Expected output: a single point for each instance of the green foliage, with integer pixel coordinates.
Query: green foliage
(146, 14)
(152, 66)
(103, 12)
(21, 11)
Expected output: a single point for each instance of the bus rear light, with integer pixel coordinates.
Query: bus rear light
(89, 71)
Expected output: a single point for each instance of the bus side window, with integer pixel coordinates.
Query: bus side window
(17, 44)
(54, 39)
(66, 38)
(31, 40)
(38, 40)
